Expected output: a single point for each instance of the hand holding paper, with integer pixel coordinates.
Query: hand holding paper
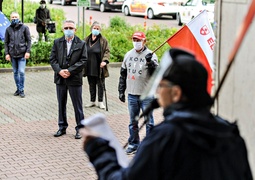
(96, 126)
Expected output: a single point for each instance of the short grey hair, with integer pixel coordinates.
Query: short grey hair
(68, 21)
(95, 23)
(14, 13)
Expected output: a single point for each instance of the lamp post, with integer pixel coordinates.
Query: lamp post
(1, 1)
(22, 11)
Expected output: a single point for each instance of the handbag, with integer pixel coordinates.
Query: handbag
(35, 20)
(51, 27)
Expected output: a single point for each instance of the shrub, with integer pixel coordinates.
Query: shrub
(118, 33)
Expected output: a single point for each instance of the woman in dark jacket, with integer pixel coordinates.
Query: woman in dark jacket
(96, 69)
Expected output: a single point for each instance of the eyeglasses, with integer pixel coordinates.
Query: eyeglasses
(71, 28)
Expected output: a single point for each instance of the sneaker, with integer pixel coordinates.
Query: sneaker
(16, 93)
(91, 104)
(21, 94)
(101, 105)
(131, 150)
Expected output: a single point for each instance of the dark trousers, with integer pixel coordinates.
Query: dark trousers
(94, 84)
(75, 93)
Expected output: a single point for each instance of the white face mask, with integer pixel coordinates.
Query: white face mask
(138, 45)
(43, 6)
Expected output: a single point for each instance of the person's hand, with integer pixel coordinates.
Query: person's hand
(148, 57)
(8, 57)
(43, 23)
(67, 72)
(64, 73)
(122, 97)
(27, 55)
(87, 134)
(102, 64)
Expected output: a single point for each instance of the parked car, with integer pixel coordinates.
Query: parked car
(151, 8)
(63, 2)
(104, 5)
(192, 8)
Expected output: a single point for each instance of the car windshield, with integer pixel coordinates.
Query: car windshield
(196, 2)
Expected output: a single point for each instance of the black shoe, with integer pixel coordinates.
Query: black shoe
(77, 135)
(60, 132)
(16, 93)
(131, 150)
(21, 94)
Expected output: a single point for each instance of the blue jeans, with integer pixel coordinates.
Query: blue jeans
(18, 66)
(134, 106)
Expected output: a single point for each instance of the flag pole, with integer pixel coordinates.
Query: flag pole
(166, 41)
(241, 33)
(160, 46)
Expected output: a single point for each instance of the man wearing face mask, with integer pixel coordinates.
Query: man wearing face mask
(137, 67)
(42, 16)
(96, 69)
(68, 58)
(17, 44)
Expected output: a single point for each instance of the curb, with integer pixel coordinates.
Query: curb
(48, 68)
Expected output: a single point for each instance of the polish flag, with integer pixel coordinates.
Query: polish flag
(197, 37)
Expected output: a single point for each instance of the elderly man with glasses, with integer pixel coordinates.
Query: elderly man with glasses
(68, 58)
(190, 144)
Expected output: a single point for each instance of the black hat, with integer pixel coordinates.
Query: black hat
(190, 75)
(42, 2)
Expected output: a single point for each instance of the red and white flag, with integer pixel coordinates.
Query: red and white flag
(198, 37)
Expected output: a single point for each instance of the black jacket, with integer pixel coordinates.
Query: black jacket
(188, 145)
(17, 40)
(42, 16)
(74, 62)
(105, 53)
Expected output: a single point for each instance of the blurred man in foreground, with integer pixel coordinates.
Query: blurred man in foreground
(191, 143)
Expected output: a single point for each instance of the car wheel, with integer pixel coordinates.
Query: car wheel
(63, 2)
(50, 1)
(179, 20)
(102, 7)
(126, 11)
(174, 16)
(150, 14)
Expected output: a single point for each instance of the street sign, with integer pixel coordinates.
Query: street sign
(83, 3)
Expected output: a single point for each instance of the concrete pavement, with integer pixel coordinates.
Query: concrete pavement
(28, 149)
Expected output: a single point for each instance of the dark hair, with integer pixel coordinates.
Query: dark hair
(190, 75)
(42, 2)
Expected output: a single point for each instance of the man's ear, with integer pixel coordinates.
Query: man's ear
(176, 93)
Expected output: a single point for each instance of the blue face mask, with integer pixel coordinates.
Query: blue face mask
(69, 33)
(95, 32)
(14, 22)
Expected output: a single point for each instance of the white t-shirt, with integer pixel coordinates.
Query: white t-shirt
(137, 70)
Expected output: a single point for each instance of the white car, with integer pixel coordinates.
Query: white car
(192, 8)
(63, 2)
(151, 8)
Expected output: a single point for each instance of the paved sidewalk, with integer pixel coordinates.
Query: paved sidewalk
(28, 149)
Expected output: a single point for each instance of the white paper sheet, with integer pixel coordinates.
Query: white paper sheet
(99, 125)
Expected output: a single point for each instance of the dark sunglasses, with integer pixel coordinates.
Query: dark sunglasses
(71, 28)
